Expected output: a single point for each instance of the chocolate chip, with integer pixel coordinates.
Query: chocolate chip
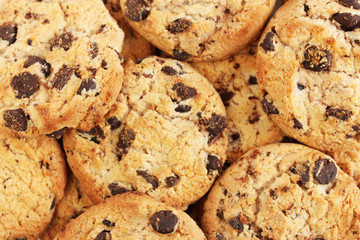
(94, 50)
(115, 189)
(87, 85)
(15, 119)
(63, 41)
(102, 27)
(104, 235)
(226, 96)
(179, 25)
(306, 8)
(325, 171)
(183, 108)
(269, 107)
(318, 239)
(104, 64)
(214, 125)
(137, 10)
(53, 204)
(164, 222)
(220, 213)
(108, 223)
(235, 136)
(25, 84)
(169, 70)
(268, 42)
(350, 3)
(214, 163)
(114, 123)
(273, 195)
(62, 76)
(45, 66)
(297, 124)
(24, 238)
(126, 138)
(227, 11)
(341, 114)
(172, 180)
(29, 42)
(219, 236)
(149, 178)
(96, 132)
(8, 32)
(183, 91)
(181, 55)
(302, 170)
(252, 80)
(288, 139)
(57, 134)
(236, 224)
(300, 86)
(355, 128)
(316, 59)
(347, 21)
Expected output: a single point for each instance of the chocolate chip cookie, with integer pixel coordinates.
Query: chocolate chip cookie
(164, 137)
(132, 216)
(283, 191)
(60, 65)
(198, 30)
(33, 178)
(236, 82)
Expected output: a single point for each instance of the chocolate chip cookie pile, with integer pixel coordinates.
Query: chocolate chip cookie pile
(116, 116)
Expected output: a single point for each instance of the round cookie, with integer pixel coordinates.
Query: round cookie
(132, 216)
(283, 191)
(236, 82)
(74, 203)
(308, 63)
(59, 67)
(164, 136)
(198, 30)
(33, 178)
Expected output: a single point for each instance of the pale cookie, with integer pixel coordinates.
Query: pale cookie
(198, 30)
(283, 192)
(33, 178)
(164, 136)
(74, 203)
(235, 80)
(59, 65)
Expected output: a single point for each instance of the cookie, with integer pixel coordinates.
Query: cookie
(74, 203)
(59, 66)
(198, 30)
(283, 191)
(132, 216)
(236, 82)
(33, 178)
(164, 137)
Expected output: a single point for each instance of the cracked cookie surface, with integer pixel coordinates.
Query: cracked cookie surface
(33, 178)
(57, 65)
(193, 30)
(236, 82)
(283, 191)
(164, 136)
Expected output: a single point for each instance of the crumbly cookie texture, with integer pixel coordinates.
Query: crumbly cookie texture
(308, 63)
(33, 178)
(59, 66)
(132, 216)
(164, 136)
(198, 30)
(283, 191)
(74, 203)
(236, 82)
(135, 46)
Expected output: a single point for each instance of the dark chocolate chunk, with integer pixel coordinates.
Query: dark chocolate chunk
(164, 222)
(316, 59)
(114, 123)
(25, 84)
(297, 124)
(226, 96)
(273, 195)
(235, 136)
(288, 139)
(15, 119)
(306, 8)
(300, 86)
(137, 10)
(57, 134)
(8, 32)
(214, 125)
(302, 170)
(45, 66)
(341, 114)
(29, 42)
(269, 107)
(268, 42)
(350, 3)
(179, 25)
(172, 180)
(325, 171)
(94, 50)
(115, 189)
(87, 85)
(63, 41)
(149, 178)
(169, 70)
(355, 128)
(24, 238)
(183, 108)
(62, 76)
(126, 138)
(236, 224)
(108, 223)
(214, 163)
(104, 235)
(183, 91)
(104, 64)
(220, 213)
(252, 80)
(347, 21)
(53, 204)
(181, 55)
